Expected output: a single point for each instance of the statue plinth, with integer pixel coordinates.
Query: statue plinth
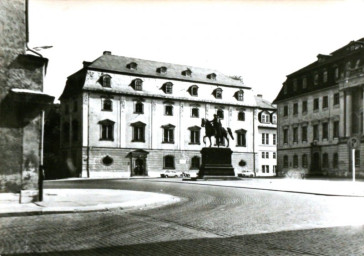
(216, 164)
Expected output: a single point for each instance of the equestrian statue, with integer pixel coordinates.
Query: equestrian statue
(214, 128)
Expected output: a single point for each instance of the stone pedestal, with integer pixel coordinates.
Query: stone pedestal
(216, 163)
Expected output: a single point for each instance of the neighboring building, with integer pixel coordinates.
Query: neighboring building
(123, 117)
(320, 110)
(21, 104)
(266, 139)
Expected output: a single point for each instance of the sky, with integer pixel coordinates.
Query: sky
(262, 41)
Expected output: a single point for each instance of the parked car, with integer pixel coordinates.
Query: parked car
(190, 175)
(246, 173)
(171, 174)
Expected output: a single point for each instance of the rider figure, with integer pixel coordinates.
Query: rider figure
(216, 123)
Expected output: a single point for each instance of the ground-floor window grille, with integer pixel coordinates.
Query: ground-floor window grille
(168, 162)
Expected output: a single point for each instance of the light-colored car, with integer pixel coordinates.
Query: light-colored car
(171, 174)
(246, 173)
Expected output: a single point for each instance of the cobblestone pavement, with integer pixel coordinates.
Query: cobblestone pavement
(210, 221)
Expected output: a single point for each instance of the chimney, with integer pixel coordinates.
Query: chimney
(86, 64)
(260, 95)
(107, 53)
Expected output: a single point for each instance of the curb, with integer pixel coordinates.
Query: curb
(87, 209)
(266, 189)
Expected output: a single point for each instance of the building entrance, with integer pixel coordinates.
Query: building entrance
(138, 162)
(316, 163)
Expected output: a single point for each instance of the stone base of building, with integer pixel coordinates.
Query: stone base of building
(216, 162)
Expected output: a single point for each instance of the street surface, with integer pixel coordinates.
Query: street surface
(209, 220)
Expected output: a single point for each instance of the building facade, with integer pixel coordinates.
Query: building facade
(320, 114)
(21, 104)
(123, 117)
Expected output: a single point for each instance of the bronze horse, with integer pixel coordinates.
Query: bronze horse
(210, 131)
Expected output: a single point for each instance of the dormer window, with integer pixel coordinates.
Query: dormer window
(162, 70)
(304, 82)
(218, 93)
(265, 118)
(294, 85)
(239, 95)
(325, 76)
(315, 79)
(168, 88)
(193, 90)
(132, 66)
(137, 84)
(211, 76)
(187, 72)
(105, 81)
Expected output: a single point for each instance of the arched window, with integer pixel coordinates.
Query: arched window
(193, 90)
(105, 80)
(240, 95)
(106, 104)
(295, 161)
(220, 113)
(241, 116)
(168, 162)
(139, 107)
(218, 93)
(304, 160)
(195, 163)
(137, 84)
(75, 130)
(168, 88)
(285, 161)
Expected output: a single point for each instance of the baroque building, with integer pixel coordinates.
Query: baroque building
(123, 117)
(320, 111)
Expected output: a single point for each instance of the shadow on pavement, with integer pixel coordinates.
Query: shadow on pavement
(323, 241)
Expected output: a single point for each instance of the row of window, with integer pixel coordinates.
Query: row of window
(265, 168)
(265, 139)
(137, 85)
(325, 163)
(266, 155)
(316, 105)
(322, 77)
(107, 133)
(168, 110)
(314, 130)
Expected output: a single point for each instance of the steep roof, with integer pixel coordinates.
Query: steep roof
(119, 64)
(264, 104)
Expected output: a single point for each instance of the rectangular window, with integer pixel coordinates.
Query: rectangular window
(195, 137)
(304, 83)
(274, 168)
(138, 134)
(325, 131)
(169, 110)
(107, 132)
(285, 111)
(315, 132)
(274, 155)
(263, 168)
(195, 112)
(325, 102)
(263, 138)
(241, 140)
(267, 168)
(336, 99)
(295, 134)
(267, 138)
(336, 129)
(304, 106)
(304, 133)
(274, 139)
(316, 104)
(168, 135)
(285, 136)
(357, 158)
(263, 154)
(295, 108)
(266, 154)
